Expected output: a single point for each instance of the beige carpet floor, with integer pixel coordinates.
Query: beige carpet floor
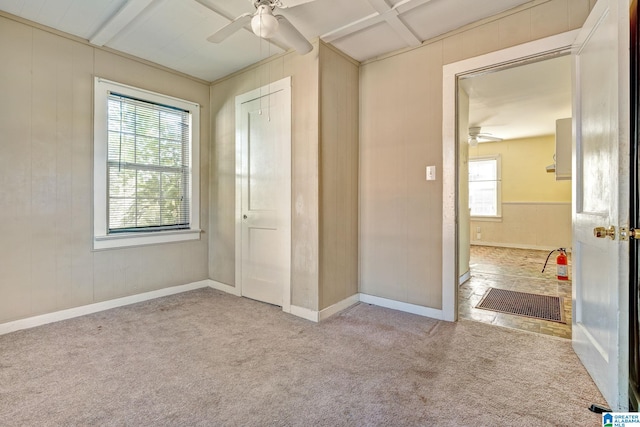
(204, 358)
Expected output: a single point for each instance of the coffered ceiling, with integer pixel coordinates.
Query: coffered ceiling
(173, 33)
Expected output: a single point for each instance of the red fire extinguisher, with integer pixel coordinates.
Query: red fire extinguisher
(561, 264)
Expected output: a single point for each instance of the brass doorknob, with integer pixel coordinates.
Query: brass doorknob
(602, 232)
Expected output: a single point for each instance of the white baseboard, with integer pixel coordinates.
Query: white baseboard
(513, 245)
(402, 306)
(338, 307)
(319, 316)
(233, 290)
(305, 313)
(70, 313)
(316, 316)
(466, 276)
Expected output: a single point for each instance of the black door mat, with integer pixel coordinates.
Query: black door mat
(543, 307)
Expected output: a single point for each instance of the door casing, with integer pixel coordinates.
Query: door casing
(516, 55)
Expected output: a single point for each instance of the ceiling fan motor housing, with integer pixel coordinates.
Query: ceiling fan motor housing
(474, 132)
(271, 4)
(263, 23)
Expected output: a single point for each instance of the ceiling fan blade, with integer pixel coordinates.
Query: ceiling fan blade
(292, 3)
(230, 28)
(292, 36)
(489, 137)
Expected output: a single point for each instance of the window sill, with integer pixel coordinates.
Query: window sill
(487, 218)
(137, 239)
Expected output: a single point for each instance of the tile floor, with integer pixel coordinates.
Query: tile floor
(516, 270)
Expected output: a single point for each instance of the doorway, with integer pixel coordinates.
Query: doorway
(514, 202)
(517, 55)
(601, 119)
(263, 194)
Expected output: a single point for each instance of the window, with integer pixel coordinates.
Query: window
(145, 167)
(484, 186)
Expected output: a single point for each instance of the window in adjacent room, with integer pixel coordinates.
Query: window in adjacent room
(146, 177)
(484, 187)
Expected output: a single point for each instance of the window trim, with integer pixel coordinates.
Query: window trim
(498, 215)
(101, 238)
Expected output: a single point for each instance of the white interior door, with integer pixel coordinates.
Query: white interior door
(263, 253)
(601, 188)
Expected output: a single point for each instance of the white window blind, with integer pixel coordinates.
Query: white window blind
(148, 166)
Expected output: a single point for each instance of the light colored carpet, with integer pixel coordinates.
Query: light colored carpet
(205, 358)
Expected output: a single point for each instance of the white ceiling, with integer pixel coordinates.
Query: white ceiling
(522, 101)
(173, 33)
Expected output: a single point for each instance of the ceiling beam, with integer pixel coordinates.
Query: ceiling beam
(212, 7)
(118, 22)
(352, 27)
(383, 13)
(391, 16)
(406, 5)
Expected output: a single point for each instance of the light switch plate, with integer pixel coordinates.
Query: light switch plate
(431, 173)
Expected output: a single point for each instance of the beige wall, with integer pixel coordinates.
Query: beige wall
(324, 176)
(401, 212)
(46, 138)
(401, 133)
(536, 208)
(338, 176)
(305, 159)
(528, 225)
(524, 174)
(46, 258)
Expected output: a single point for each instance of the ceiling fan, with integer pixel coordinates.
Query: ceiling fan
(265, 24)
(476, 136)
